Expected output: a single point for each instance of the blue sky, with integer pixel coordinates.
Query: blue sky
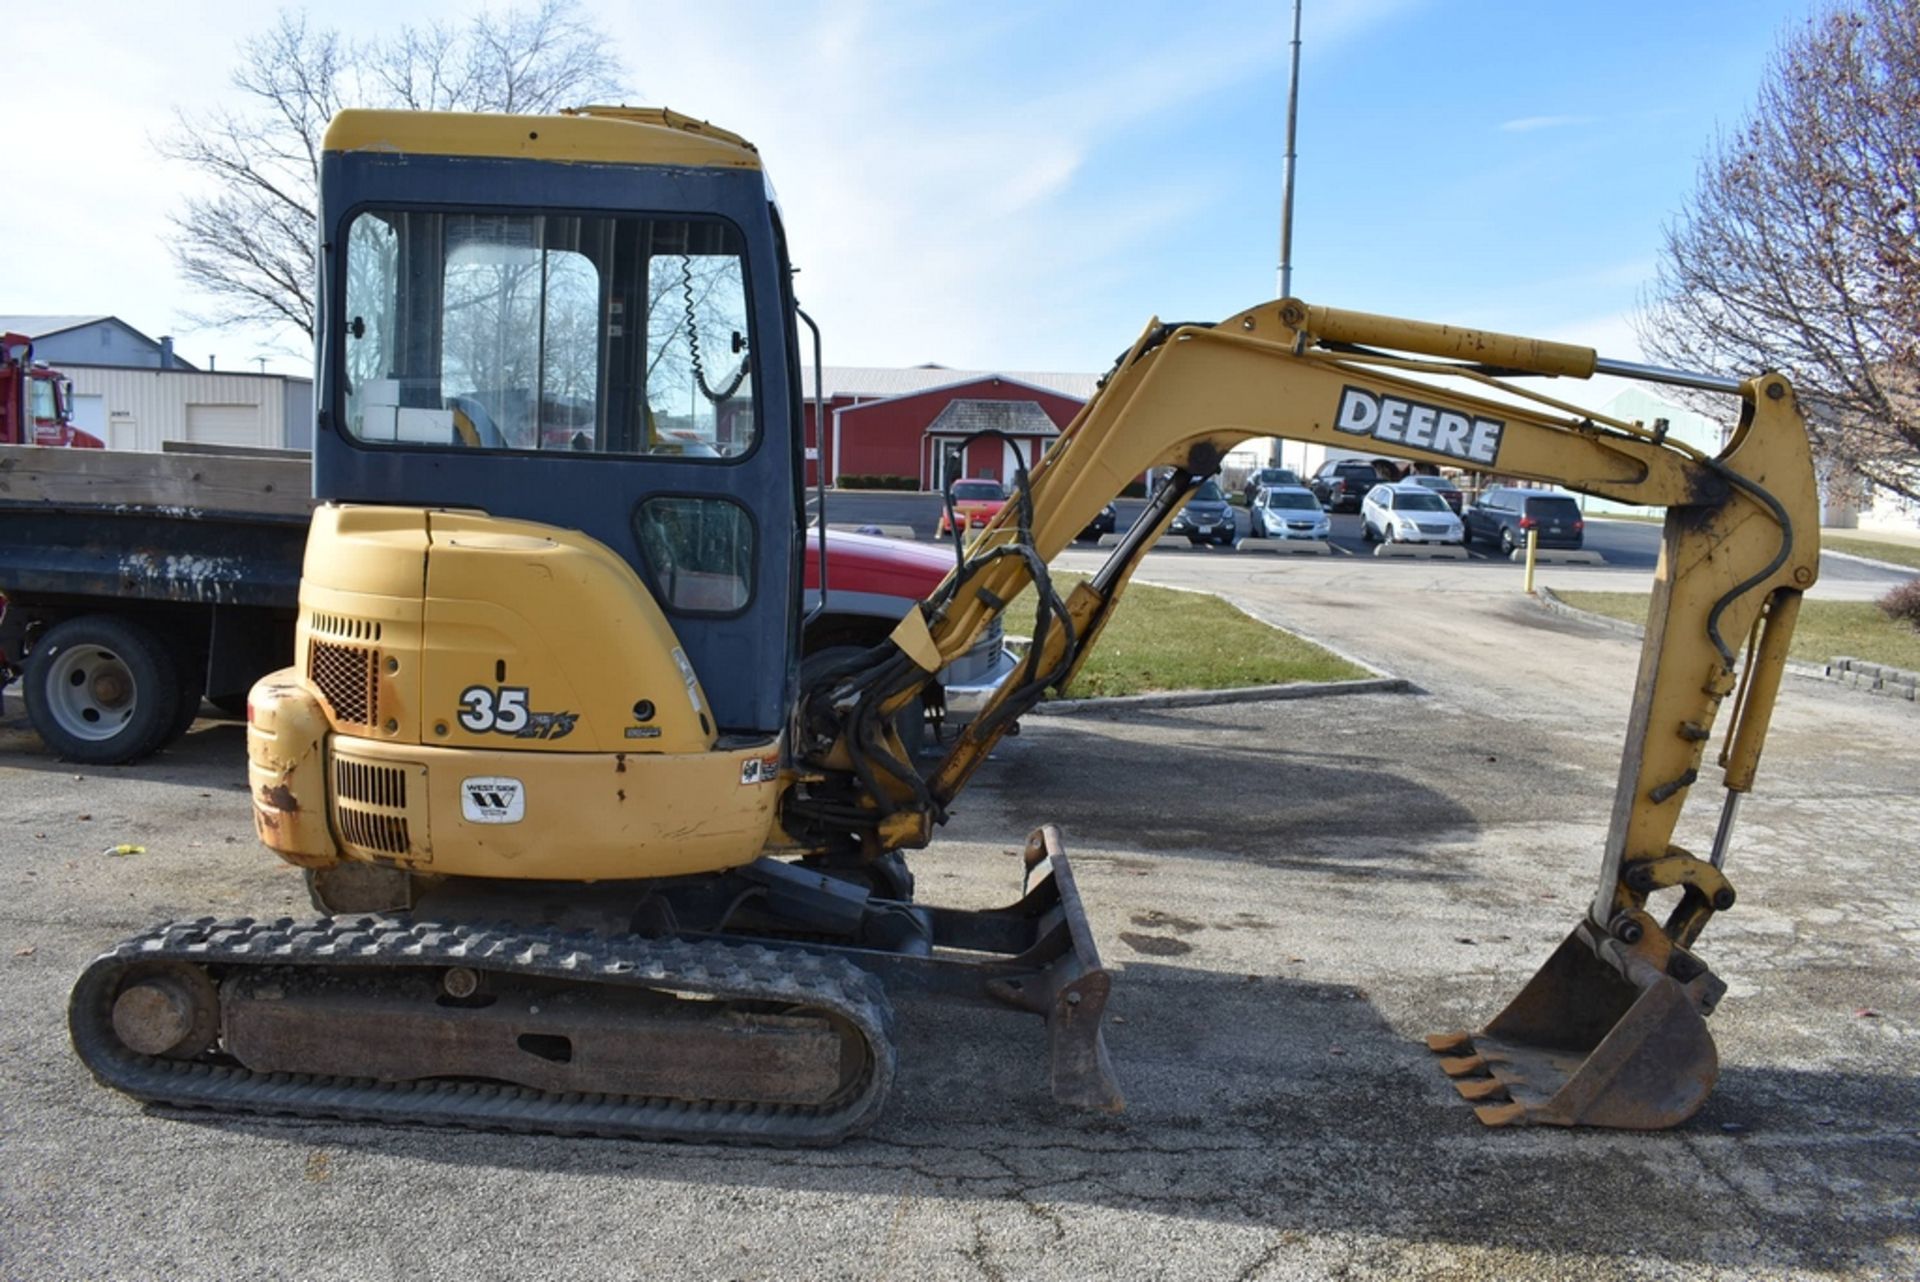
(1022, 186)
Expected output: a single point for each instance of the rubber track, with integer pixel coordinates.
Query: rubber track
(730, 971)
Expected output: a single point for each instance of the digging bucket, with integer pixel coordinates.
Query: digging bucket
(1611, 1032)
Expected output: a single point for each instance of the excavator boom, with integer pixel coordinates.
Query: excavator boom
(1611, 1032)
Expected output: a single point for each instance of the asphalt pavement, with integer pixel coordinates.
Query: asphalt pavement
(1292, 894)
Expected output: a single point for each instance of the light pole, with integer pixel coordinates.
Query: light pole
(1286, 172)
(1286, 186)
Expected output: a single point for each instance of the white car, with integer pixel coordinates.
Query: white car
(1289, 512)
(1404, 513)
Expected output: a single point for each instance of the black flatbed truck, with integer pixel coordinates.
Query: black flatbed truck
(138, 584)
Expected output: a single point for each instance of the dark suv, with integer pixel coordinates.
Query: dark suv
(1207, 518)
(1342, 484)
(1505, 513)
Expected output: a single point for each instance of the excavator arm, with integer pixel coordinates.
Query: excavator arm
(1611, 1031)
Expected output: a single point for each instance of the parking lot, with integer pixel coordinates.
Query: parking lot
(1294, 893)
(1620, 544)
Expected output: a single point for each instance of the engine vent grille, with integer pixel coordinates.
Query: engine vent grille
(386, 834)
(344, 675)
(344, 626)
(370, 807)
(369, 785)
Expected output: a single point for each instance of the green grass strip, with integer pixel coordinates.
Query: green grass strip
(1826, 628)
(1832, 541)
(1159, 639)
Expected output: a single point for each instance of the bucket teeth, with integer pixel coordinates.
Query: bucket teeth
(1501, 1114)
(1481, 1088)
(1605, 1033)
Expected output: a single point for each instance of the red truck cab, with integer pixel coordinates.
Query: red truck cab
(36, 403)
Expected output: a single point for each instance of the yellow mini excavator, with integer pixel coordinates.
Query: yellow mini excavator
(601, 855)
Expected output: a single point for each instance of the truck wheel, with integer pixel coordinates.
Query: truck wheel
(102, 690)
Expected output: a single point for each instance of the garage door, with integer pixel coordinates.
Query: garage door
(224, 424)
(90, 414)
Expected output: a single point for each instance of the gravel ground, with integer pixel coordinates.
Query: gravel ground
(1293, 892)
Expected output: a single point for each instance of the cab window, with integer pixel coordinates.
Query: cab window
(538, 332)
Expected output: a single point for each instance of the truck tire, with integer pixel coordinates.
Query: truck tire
(102, 690)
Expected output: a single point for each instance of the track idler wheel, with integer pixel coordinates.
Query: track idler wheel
(169, 1009)
(1610, 1032)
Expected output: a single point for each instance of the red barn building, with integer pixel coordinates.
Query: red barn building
(925, 423)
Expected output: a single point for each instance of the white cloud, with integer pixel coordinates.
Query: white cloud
(942, 206)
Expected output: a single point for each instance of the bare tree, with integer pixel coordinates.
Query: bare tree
(1800, 250)
(248, 242)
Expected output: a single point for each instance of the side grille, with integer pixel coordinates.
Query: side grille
(369, 785)
(386, 834)
(340, 625)
(370, 807)
(344, 675)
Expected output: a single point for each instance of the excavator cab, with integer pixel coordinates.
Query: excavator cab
(601, 345)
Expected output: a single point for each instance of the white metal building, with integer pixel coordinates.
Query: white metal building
(135, 393)
(137, 409)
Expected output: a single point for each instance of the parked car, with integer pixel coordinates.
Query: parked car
(975, 502)
(1105, 521)
(1505, 513)
(1443, 487)
(1289, 512)
(1267, 477)
(1404, 513)
(1207, 518)
(1341, 484)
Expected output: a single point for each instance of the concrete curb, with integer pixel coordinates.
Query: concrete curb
(1875, 562)
(1286, 547)
(1421, 551)
(1858, 678)
(1875, 678)
(1554, 556)
(886, 530)
(1547, 599)
(1118, 705)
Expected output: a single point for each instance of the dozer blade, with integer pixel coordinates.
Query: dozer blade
(1607, 1033)
(1036, 955)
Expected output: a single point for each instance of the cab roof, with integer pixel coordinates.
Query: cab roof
(597, 134)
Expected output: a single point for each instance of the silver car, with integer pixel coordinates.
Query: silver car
(1403, 513)
(1289, 512)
